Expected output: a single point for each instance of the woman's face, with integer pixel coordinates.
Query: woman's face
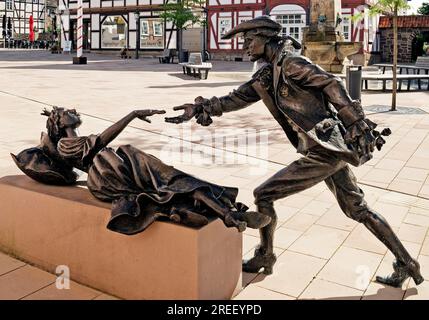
(70, 119)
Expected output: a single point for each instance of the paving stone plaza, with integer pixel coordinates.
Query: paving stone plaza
(321, 253)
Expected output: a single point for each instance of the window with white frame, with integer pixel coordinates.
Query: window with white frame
(346, 24)
(9, 4)
(157, 28)
(292, 25)
(224, 26)
(144, 28)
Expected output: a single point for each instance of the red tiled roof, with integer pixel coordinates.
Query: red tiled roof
(405, 22)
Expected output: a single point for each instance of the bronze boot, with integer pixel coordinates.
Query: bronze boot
(260, 260)
(401, 273)
(404, 266)
(264, 256)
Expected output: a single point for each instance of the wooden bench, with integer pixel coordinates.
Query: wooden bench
(196, 67)
(167, 56)
(386, 77)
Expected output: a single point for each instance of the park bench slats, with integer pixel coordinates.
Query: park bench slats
(421, 66)
(196, 67)
(167, 56)
(388, 77)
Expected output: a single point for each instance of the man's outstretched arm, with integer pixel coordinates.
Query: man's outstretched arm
(203, 109)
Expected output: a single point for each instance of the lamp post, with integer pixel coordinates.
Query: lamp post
(4, 30)
(137, 17)
(4, 25)
(64, 20)
(52, 15)
(9, 30)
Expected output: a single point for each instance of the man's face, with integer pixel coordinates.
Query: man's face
(254, 46)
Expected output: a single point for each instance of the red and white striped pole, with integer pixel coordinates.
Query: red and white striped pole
(79, 59)
(79, 28)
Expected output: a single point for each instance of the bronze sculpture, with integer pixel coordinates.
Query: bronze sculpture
(324, 124)
(141, 187)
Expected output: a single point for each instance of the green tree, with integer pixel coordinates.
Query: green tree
(389, 8)
(424, 9)
(183, 13)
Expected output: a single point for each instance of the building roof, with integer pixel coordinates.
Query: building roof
(405, 22)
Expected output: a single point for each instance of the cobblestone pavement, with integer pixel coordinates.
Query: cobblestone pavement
(321, 253)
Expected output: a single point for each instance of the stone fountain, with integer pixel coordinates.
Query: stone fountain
(323, 42)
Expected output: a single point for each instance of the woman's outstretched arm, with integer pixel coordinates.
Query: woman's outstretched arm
(114, 130)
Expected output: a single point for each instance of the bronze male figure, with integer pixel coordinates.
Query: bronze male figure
(325, 125)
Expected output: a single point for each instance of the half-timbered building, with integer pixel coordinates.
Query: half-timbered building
(112, 24)
(19, 12)
(293, 15)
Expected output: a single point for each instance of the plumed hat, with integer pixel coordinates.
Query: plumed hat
(261, 22)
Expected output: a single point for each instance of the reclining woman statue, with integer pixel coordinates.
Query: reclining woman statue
(140, 186)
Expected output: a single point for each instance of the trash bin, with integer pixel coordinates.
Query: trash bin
(354, 81)
(183, 56)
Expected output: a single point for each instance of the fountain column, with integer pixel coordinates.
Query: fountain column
(322, 41)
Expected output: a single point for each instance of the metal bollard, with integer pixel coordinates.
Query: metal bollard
(354, 81)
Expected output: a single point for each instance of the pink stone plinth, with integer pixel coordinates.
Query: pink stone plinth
(49, 226)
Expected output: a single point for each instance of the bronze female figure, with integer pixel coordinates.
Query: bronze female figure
(141, 187)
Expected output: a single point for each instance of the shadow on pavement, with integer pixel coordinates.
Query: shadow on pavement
(197, 84)
(381, 294)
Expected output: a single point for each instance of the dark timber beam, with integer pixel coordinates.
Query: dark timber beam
(120, 10)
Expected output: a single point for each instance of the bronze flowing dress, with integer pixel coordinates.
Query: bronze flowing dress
(140, 186)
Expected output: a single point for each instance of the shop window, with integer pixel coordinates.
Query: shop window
(114, 32)
(151, 33)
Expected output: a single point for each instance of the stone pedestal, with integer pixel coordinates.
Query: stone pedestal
(49, 226)
(79, 60)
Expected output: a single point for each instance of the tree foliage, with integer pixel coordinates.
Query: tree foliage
(424, 9)
(387, 7)
(183, 13)
(391, 8)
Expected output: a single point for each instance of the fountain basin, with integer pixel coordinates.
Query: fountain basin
(330, 55)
